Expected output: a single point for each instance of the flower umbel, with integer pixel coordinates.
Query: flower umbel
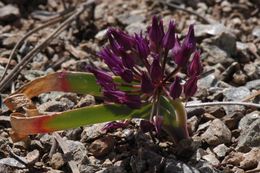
(140, 60)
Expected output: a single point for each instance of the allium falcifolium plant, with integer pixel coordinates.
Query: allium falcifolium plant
(136, 84)
(140, 60)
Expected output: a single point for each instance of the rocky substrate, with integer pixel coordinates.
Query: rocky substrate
(223, 138)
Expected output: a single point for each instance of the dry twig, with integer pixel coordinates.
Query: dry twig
(223, 103)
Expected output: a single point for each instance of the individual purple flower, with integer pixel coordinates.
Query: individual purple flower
(176, 88)
(116, 64)
(156, 32)
(169, 37)
(142, 46)
(123, 39)
(177, 53)
(113, 61)
(195, 67)
(182, 52)
(189, 43)
(190, 87)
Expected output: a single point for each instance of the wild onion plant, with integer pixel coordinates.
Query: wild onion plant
(137, 84)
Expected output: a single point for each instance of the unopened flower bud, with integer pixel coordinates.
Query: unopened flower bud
(190, 87)
(142, 46)
(156, 32)
(177, 53)
(169, 37)
(176, 88)
(195, 67)
(189, 43)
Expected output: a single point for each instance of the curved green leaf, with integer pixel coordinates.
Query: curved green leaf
(76, 118)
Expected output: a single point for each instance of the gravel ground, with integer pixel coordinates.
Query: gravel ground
(224, 138)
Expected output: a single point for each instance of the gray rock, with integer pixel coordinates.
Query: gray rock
(86, 168)
(10, 41)
(204, 126)
(204, 166)
(32, 156)
(78, 150)
(217, 55)
(253, 69)
(57, 161)
(173, 166)
(11, 162)
(136, 27)
(256, 31)
(248, 119)
(227, 42)
(100, 10)
(210, 29)
(251, 159)
(113, 169)
(250, 137)
(193, 123)
(235, 94)
(53, 106)
(39, 62)
(46, 140)
(92, 132)
(243, 55)
(207, 82)
(211, 158)
(127, 19)
(254, 84)
(221, 150)
(101, 35)
(217, 133)
(231, 120)
(50, 96)
(7, 169)
(86, 101)
(9, 13)
(102, 146)
(33, 74)
(199, 154)
(146, 160)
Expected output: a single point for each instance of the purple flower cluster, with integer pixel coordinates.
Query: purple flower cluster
(140, 60)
